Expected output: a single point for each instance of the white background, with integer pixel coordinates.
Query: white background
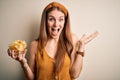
(20, 19)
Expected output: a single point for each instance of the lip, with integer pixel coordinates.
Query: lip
(55, 31)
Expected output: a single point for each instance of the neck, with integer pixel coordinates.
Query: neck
(51, 47)
(53, 41)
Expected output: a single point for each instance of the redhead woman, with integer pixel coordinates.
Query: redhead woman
(57, 53)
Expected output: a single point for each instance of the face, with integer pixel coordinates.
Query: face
(55, 23)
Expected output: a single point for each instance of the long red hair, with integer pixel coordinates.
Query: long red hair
(65, 39)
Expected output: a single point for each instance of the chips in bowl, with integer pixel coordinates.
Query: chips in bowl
(18, 45)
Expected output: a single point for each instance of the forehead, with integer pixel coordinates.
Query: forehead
(56, 13)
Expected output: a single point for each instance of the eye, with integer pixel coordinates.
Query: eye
(61, 19)
(51, 19)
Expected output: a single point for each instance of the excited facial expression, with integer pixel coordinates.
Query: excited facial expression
(55, 23)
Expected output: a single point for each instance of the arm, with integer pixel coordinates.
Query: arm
(77, 60)
(78, 53)
(28, 70)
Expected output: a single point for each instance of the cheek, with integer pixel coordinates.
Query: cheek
(63, 24)
(50, 24)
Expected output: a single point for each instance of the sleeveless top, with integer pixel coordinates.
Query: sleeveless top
(44, 67)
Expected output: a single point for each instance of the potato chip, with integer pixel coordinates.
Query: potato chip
(18, 45)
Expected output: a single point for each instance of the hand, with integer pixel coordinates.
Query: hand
(84, 40)
(20, 56)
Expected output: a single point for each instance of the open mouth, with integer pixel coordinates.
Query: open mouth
(55, 31)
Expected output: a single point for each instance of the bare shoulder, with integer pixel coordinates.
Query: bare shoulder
(33, 52)
(74, 38)
(34, 43)
(33, 46)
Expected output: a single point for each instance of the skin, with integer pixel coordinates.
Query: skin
(55, 24)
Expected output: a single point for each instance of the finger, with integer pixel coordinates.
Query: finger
(91, 37)
(83, 38)
(18, 56)
(24, 52)
(21, 54)
(9, 52)
(13, 54)
(81, 41)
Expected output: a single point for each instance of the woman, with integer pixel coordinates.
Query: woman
(57, 54)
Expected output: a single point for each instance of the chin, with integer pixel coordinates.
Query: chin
(55, 37)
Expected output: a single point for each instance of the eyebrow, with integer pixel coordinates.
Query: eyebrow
(53, 16)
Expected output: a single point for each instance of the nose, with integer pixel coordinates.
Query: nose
(56, 23)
